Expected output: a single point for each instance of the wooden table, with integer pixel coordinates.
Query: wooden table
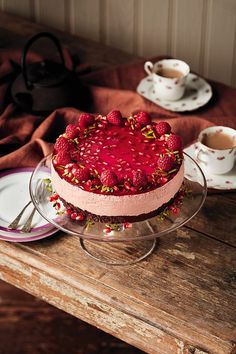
(179, 300)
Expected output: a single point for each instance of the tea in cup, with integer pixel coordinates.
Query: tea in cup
(216, 149)
(169, 78)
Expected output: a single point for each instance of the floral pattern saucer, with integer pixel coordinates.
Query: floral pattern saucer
(198, 92)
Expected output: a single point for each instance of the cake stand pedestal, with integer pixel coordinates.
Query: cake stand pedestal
(119, 253)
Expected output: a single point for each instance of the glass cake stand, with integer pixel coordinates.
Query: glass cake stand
(125, 243)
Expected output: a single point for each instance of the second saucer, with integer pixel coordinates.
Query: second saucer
(198, 92)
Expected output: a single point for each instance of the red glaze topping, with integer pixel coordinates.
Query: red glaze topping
(117, 155)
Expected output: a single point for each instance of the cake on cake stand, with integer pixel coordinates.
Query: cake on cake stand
(125, 243)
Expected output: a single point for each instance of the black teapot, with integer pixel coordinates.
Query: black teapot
(46, 85)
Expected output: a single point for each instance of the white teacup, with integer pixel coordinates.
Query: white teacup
(216, 149)
(169, 78)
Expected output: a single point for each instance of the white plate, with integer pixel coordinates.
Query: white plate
(14, 194)
(198, 92)
(223, 182)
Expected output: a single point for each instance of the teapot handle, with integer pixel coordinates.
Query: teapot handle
(33, 39)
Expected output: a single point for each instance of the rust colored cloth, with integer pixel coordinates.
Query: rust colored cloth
(26, 138)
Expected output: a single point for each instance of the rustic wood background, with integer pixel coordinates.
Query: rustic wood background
(202, 32)
(31, 326)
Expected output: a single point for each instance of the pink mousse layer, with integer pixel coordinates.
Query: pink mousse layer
(111, 205)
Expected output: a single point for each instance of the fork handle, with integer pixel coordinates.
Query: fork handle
(28, 224)
(13, 225)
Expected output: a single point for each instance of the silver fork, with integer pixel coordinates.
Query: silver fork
(27, 227)
(28, 224)
(13, 225)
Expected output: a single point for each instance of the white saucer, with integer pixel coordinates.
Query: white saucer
(222, 182)
(14, 191)
(198, 92)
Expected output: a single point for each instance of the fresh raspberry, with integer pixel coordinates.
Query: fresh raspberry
(85, 120)
(63, 158)
(63, 144)
(107, 230)
(165, 163)
(174, 142)
(109, 178)
(73, 215)
(82, 174)
(163, 180)
(163, 128)
(69, 211)
(71, 131)
(139, 179)
(114, 117)
(96, 182)
(80, 217)
(143, 118)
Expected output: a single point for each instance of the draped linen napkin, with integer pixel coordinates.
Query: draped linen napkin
(25, 138)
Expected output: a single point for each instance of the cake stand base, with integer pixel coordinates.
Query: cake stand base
(118, 253)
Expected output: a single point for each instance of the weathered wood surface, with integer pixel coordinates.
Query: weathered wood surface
(180, 300)
(218, 218)
(182, 296)
(31, 326)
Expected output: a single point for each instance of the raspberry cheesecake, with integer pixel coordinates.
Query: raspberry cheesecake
(115, 169)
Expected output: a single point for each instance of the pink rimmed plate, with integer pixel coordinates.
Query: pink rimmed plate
(14, 194)
(27, 237)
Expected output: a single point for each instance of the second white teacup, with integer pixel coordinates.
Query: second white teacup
(216, 149)
(169, 78)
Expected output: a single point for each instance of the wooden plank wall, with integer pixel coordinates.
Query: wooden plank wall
(202, 32)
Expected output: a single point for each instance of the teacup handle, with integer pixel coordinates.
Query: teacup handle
(148, 67)
(199, 156)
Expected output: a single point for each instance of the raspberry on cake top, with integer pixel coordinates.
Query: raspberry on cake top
(115, 155)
